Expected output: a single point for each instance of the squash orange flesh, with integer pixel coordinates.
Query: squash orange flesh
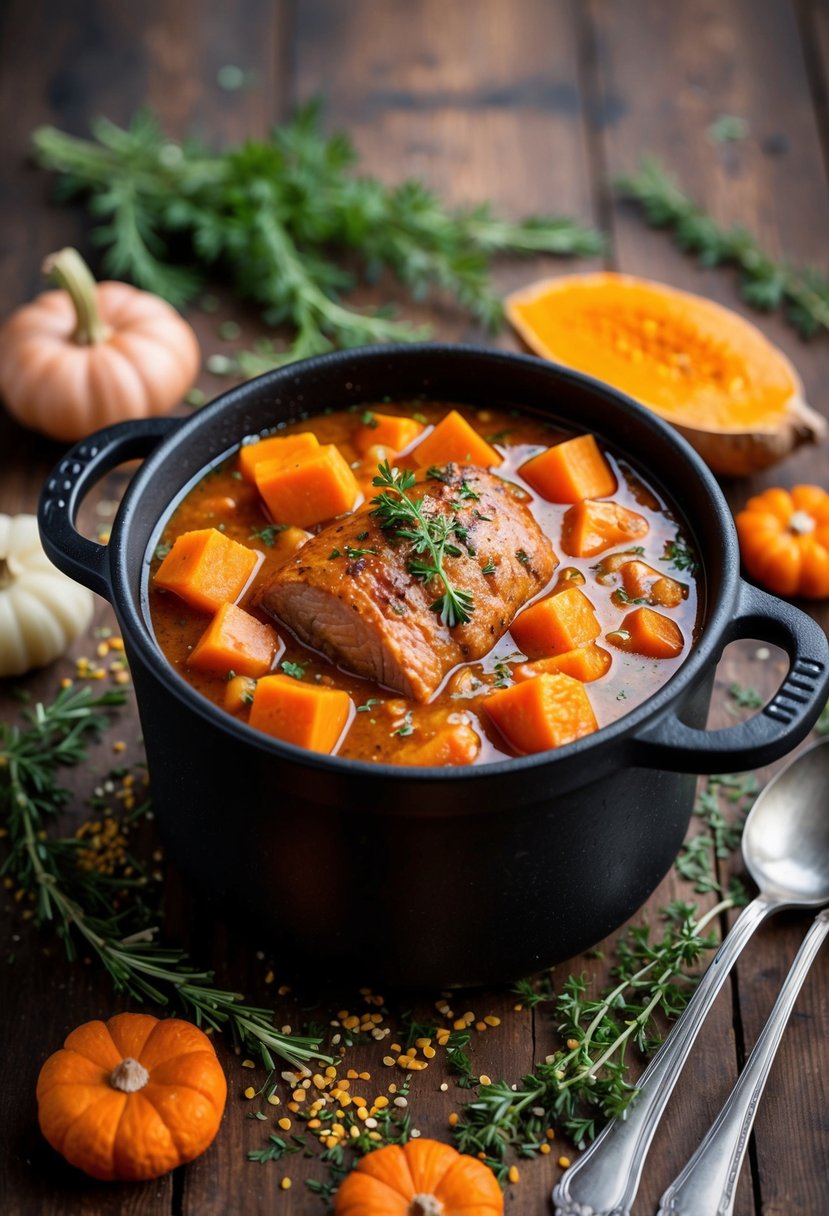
(539, 714)
(386, 431)
(308, 487)
(694, 362)
(454, 441)
(571, 471)
(207, 568)
(311, 717)
(586, 663)
(649, 633)
(560, 622)
(236, 641)
(276, 447)
(589, 527)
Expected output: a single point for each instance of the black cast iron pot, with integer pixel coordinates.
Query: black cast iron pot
(429, 877)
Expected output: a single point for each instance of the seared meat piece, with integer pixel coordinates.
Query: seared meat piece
(369, 614)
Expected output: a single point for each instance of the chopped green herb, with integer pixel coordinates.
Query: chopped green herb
(421, 418)
(522, 557)
(499, 436)
(268, 534)
(680, 555)
(296, 670)
(489, 568)
(369, 704)
(745, 696)
(351, 554)
(362, 536)
(406, 727)
(368, 419)
(334, 554)
(467, 493)
(161, 551)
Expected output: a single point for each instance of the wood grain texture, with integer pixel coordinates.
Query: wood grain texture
(535, 105)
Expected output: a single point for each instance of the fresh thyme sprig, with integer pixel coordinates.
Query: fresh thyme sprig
(430, 537)
(270, 213)
(30, 797)
(588, 1078)
(803, 293)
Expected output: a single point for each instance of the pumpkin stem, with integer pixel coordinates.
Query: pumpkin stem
(70, 271)
(129, 1076)
(425, 1205)
(801, 523)
(6, 576)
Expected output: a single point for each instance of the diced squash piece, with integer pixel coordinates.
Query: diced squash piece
(239, 694)
(641, 581)
(454, 441)
(309, 487)
(587, 663)
(644, 631)
(236, 641)
(556, 624)
(277, 447)
(571, 471)
(386, 431)
(207, 568)
(455, 744)
(538, 714)
(307, 715)
(590, 527)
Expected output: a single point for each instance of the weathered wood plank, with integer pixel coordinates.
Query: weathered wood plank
(702, 62)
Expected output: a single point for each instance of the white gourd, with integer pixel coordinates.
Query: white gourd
(41, 610)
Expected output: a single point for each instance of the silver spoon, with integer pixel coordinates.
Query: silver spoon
(786, 852)
(708, 1184)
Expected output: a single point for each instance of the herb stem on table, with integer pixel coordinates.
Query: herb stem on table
(271, 213)
(766, 285)
(30, 796)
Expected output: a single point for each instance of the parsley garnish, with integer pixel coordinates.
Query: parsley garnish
(268, 534)
(370, 703)
(680, 555)
(335, 553)
(430, 537)
(296, 670)
(489, 568)
(368, 419)
(351, 554)
(161, 551)
(406, 727)
(522, 557)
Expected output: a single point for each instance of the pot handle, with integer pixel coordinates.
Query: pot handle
(83, 465)
(782, 723)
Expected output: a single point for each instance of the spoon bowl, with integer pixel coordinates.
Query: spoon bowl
(786, 834)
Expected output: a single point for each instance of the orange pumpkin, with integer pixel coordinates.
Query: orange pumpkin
(91, 354)
(421, 1178)
(784, 540)
(133, 1097)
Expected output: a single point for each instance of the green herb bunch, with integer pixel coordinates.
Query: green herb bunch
(272, 214)
(767, 285)
(79, 902)
(588, 1080)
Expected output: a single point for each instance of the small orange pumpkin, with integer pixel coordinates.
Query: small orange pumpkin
(420, 1178)
(133, 1097)
(784, 540)
(91, 354)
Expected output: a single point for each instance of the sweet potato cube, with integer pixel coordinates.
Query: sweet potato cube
(571, 471)
(309, 487)
(587, 663)
(276, 447)
(538, 714)
(591, 527)
(644, 631)
(454, 441)
(455, 744)
(207, 568)
(236, 641)
(556, 624)
(641, 581)
(386, 431)
(239, 694)
(307, 715)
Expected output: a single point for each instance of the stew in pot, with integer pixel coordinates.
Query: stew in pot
(424, 584)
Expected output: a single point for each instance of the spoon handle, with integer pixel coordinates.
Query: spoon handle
(707, 1185)
(605, 1179)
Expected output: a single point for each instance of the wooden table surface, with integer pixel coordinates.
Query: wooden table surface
(537, 105)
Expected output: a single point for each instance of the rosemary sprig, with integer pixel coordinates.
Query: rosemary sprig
(430, 537)
(270, 212)
(30, 797)
(767, 285)
(588, 1078)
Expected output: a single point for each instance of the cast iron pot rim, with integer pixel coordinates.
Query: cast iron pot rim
(691, 670)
